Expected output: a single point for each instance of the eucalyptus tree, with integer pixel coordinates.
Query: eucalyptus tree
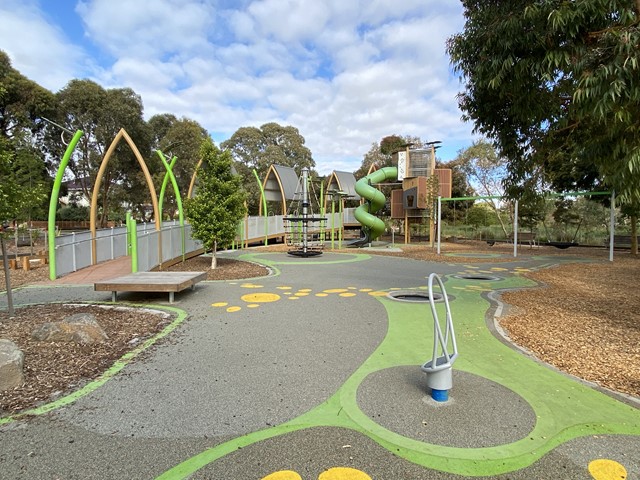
(555, 83)
(258, 148)
(22, 104)
(182, 138)
(101, 113)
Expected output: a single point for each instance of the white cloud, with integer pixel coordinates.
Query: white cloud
(38, 49)
(345, 73)
(147, 28)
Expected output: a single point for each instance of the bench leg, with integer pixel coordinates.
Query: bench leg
(114, 294)
(170, 297)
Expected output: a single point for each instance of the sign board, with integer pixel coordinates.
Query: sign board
(402, 165)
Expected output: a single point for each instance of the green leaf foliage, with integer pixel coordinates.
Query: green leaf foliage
(554, 83)
(219, 202)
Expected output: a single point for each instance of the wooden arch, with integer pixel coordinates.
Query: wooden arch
(96, 187)
(192, 183)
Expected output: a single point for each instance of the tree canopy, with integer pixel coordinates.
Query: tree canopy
(259, 148)
(555, 84)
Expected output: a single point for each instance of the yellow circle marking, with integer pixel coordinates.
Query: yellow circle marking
(283, 288)
(349, 294)
(233, 309)
(322, 294)
(260, 297)
(250, 285)
(304, 290)
(219, 304)
(301, 294)
(378, 294)
(283, 475)
(352, 288)
(343, 473)
(253, 305)
(293, 298)
(499, 269)
(366, 289)
(335, 290)
(603, 469)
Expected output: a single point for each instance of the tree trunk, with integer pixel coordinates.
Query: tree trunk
(634, 235)
(7, 277)
(214, 260)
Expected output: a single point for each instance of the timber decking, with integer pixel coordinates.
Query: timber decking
(151, 282)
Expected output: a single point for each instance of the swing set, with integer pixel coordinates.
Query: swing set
(529, 236)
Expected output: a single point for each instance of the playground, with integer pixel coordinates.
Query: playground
(314, 371)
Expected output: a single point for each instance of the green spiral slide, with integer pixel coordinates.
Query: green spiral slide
(372, 226)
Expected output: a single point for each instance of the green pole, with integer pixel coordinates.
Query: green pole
(127, 222)
(134, 245)
(333, 221)
(264, 207)
(53, 203)
(176, 191)
(322, 212)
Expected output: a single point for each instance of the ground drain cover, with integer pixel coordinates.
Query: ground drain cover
(480, 277)
(414, 296)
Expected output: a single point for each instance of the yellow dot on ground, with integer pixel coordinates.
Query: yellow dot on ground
(301, 294)
(472, 267)
(348, 294)
(366, 289)
(250, 285)
(233, 309)
(378, 294)
(260, 297)
(499, 269)
(219, 304)
(253, 305)
(304, 290)
(283, 475)
(293, 298)
(322, 294)
(335, 290)
(343, 473)
(283, 288)
(603, 469)
(352, 288)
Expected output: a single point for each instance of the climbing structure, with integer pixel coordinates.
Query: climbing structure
(304, 231)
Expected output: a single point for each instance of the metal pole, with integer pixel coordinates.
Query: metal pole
(7, 277)
(305, 210)
(439, 219)
(515, 230)
(612, 224)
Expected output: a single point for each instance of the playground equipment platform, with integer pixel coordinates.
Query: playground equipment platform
(171, 282)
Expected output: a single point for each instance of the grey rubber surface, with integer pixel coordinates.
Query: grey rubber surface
(221, 375)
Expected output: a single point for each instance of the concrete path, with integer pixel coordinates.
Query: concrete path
(313, 373)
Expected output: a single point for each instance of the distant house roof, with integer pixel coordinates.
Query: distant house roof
(280, 185)
(343, 182)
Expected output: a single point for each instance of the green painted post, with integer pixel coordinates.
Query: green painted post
(176, 191)
(322, 212)
(127, 222)
(134, 245)
(53, 203)
(333, 221)
(264, 208)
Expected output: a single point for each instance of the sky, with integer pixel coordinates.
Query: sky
(345, 73)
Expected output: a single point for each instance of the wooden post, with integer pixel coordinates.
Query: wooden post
(13, 264)
(26, 264)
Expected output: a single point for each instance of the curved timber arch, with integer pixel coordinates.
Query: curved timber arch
(96, 187)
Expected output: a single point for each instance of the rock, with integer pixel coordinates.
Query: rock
(11, 363)
(79, 328)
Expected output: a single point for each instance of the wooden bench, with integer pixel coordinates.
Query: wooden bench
(151, 282)
(620, 241)
(528, 238)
